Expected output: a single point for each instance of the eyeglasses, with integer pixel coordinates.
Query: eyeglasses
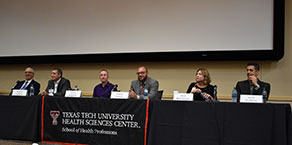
(138, 73)
(249, 70)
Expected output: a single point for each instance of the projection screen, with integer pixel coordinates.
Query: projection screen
(148, 29)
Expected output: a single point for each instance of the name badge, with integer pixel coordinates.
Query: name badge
(120, 95)
(16, 92)
(72, 93)
(251, 98)
(183, 97)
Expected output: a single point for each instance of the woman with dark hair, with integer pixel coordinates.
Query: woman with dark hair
(201, 88)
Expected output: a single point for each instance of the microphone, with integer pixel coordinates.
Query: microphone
(115, 88)
(15, 84)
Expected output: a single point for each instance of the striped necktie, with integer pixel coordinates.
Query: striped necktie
(142, 89)
(23, 87)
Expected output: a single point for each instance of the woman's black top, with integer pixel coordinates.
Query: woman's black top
(197, 96)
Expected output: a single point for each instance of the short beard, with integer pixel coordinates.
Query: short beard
(143, 80)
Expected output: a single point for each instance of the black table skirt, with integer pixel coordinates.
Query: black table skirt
(201, 123)
(174, 122)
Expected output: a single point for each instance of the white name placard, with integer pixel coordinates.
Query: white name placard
(16, 92)
(183, 97)
(251, 98)
(72, 93)
(120, 95)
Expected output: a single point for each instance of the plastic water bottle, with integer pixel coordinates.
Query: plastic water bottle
(145, 94)
(31, 93)
(234, 95)
(51, 92)
(264, 95)
(204, 97)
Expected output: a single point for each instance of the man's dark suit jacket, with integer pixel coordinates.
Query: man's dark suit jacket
(63, 85)
(245, 87)
(35, 84)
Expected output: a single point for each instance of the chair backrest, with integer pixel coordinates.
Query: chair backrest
(159, 94)
(215, 93)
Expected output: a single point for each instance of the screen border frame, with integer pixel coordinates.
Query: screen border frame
(274, 55)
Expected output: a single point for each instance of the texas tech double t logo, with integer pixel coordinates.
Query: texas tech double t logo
(55, 115)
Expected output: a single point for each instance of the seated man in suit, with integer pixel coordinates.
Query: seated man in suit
(252, 85)
(58, 85)
(28, 82)
(144, 83)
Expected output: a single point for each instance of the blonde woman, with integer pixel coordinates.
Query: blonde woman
(201, 88)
